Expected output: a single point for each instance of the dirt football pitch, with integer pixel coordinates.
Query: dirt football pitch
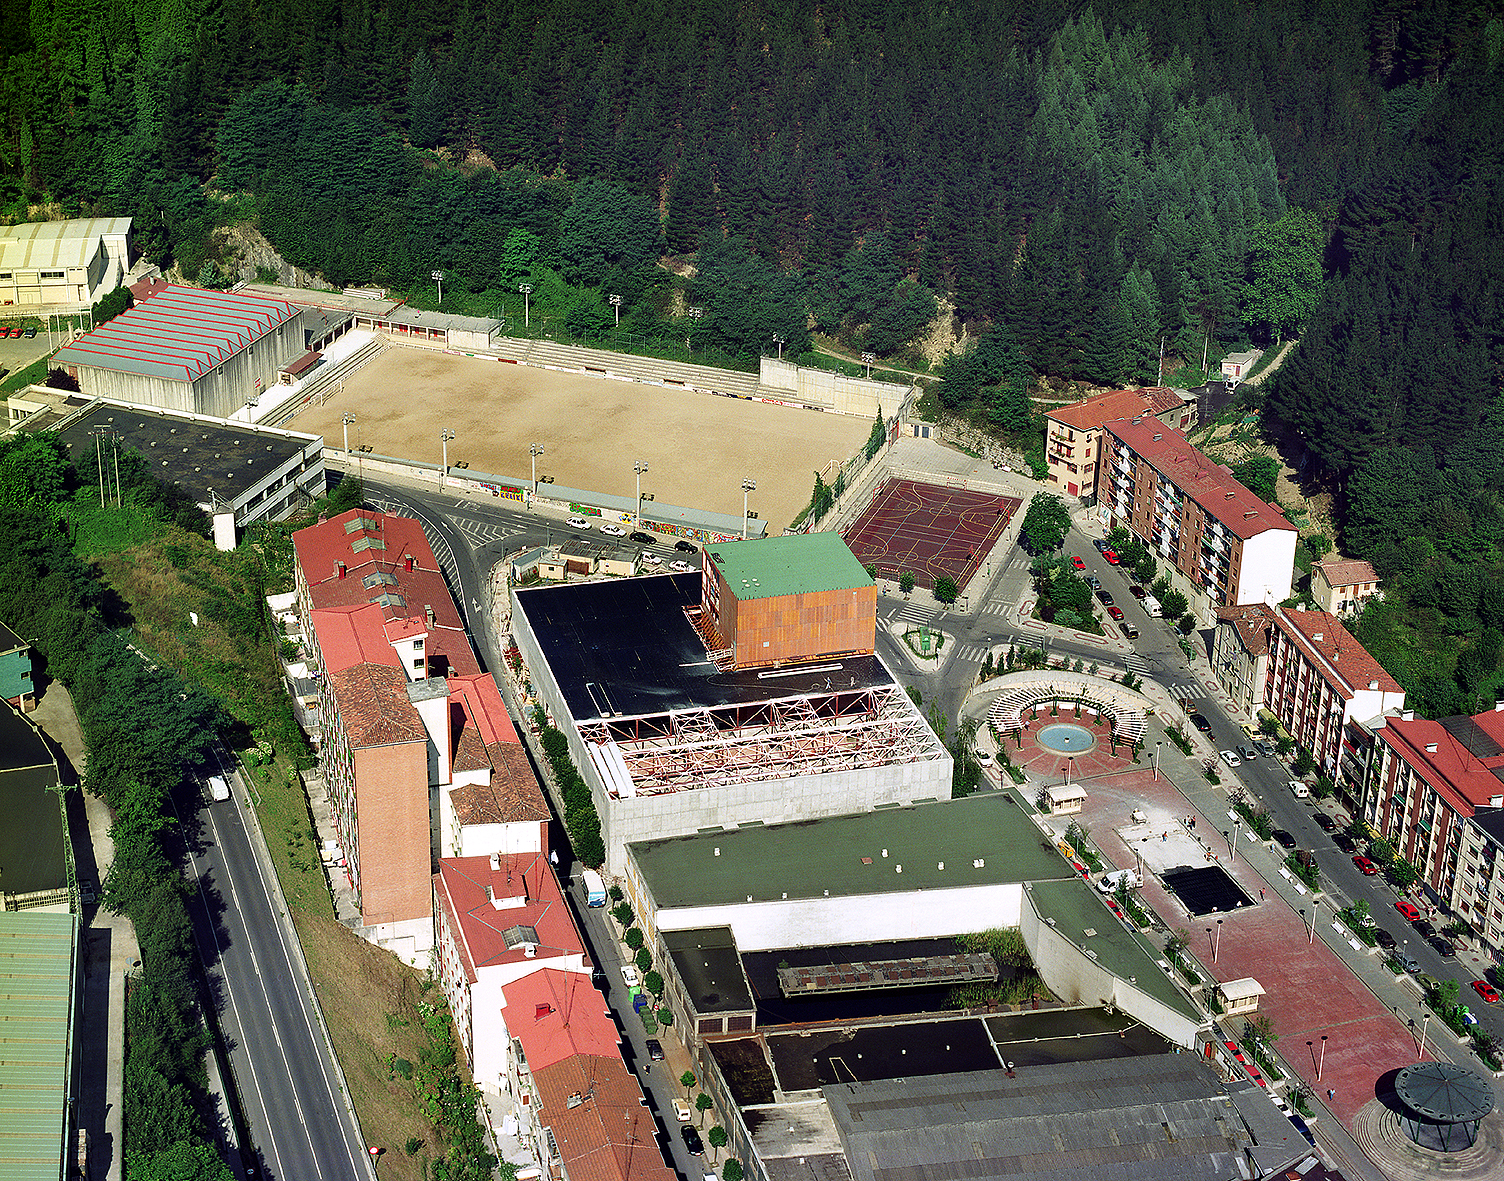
(698, 447)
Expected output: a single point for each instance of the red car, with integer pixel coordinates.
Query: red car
(1408, 910)
(1487, 991)
(1111, 555)
(1365, 866)
(1077, 562)
(1115, 612)
(17, 331)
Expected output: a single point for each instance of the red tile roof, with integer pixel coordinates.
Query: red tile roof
(1252, 621)
(1346, 572)
(373, 706)
(1463, 779)
(526, 882)
(1209, 484)
(1345, 663)
(1092, 413)
(556, 1015)
(609, 1134)
(511, 797)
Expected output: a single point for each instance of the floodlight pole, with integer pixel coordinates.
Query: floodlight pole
(444, 436)
(438, 276)
(780, 341)
(615, 301)
(1311, 934)
(1421, 1052)
(693, 314)
(345, 422)
(748, 486)
(1217, 943)
(527, 290)
(867, 359)
(639, 467)
(535, 450)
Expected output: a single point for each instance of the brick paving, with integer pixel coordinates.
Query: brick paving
(1309, 991)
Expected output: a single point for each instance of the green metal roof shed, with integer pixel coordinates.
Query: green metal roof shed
(38, 967)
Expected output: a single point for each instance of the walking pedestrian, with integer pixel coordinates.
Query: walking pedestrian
(1261, 893)
(1331, 1093)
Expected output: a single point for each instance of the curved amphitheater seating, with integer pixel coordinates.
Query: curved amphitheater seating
(1027, 690)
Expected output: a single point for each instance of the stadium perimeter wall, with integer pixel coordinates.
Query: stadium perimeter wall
(834, 391)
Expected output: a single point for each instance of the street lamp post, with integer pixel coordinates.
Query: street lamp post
(780, 341)
(694, 314)
(1157, 745)
(1321, 1061)
(747, 487)
(1311, 934)
(535, 450)
(1425, 1021)
(639, 467)
(1217, 943)
(867, 359)
(439, 277)
(615, 302)
(527, 290)
(345, 422)
(444, 436)
(1070, 766)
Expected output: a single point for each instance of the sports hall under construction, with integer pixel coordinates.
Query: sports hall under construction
(679, 726)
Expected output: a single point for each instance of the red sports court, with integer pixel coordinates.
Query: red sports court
(929, 530)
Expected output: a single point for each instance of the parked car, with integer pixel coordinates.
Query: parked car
(1445, 948)
(1230, 758)
(1105, 597)
(1365, 866)
(682, 1111)
(1129, 630)
(1111, 556)
(681, 567)
(1137, 591)
(1094, 582)
(613, 530)
(31, 330)
(1100, 544)
(642, 538)
(578, 523)
(1324, 822)
(1423, 928)
(1407, 910)
(652, 559)
(1284, 839)
(1266, 748)
(1304, 1129)
(1487, 991)
(685, 547)
(629, 976)
(1077, 562)
(1406, 962)
(655, 1049)
(1200, 722)
(692, 1139)
(1246, 752)
(1299, 790)
(1115, 612)
(1384, 939)
(1345, 843)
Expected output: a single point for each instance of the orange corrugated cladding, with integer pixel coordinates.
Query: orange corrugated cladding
(794, 628)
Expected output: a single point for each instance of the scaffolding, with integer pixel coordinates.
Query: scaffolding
(749, 742)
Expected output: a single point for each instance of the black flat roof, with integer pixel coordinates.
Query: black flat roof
(193, 453)
(625, 647)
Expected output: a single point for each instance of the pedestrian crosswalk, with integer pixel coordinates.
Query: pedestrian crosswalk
(972, 652)
(479, 532)
(916, 613)
(1136, 663)
(995, 607)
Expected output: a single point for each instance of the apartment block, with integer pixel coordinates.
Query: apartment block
(1073, 434)
(1217, 541)
(1435, 791)
(408, 720)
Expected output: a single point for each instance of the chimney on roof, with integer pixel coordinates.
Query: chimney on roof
(1430, 748)
(1373, 685)
(1499, 707)
(339, 569)
(1407, 715)
(1229, 494)
(408, 561)
(495, 861)
(428, 613)
(1158, 436)
(1317, 636)
(1250, 513)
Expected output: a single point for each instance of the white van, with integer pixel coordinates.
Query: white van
(218, 788)
(1299, 790)
(1151, 605)
(1109, 882)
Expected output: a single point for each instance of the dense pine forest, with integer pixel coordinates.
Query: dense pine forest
(1088, 188)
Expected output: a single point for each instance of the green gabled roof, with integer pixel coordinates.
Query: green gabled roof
(797, 563)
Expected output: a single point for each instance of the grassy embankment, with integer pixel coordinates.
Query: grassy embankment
(369, 998)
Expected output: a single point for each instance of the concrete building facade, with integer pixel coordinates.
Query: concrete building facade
(1219, 543)
(63, 265)
(1073, 434)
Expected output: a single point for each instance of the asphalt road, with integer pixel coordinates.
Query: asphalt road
(299, 1120)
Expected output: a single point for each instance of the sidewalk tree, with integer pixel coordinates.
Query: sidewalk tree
(1046, 524)
(665, 1016)
(717, 1138)
(703, 1103)
(1402, 873)
(906, 582)
(653, 982)
(687, 1081)
(946, 590)
(643, 960)
(622, 913)
(1174, 604)
(633, 938)
(732, 1171)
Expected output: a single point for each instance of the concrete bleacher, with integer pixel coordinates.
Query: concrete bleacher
(548, 354)
(1025, 691)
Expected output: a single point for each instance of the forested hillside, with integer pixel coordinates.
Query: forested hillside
(1088, 186)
